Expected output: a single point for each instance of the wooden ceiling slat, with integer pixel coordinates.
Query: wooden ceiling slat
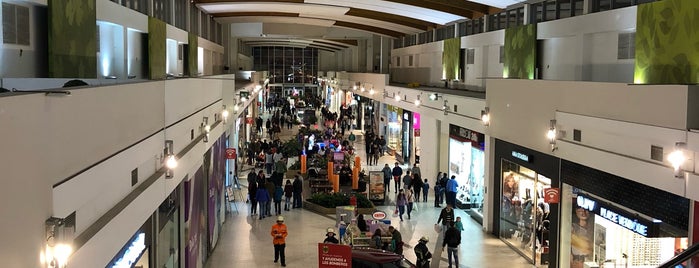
(351, 42)
(245, 1)
(369, 28)
(392, 18)
(254, 14)
(333, 44)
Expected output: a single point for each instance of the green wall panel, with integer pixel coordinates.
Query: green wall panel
(520, 52)
(193, 57)
(450, 58)
(156, 49)
(667, 42)
(72, 39)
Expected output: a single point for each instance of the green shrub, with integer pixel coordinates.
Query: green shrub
(332, 200)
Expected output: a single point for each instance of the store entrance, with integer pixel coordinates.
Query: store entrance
(524, 221)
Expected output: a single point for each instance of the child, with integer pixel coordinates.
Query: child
(459, 226)
(425, 190)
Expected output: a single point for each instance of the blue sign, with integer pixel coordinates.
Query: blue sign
(520, 156)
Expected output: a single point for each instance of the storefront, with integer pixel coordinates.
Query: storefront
(394, 124)
(416, 136)
(610, 221)
(168, 221)
(467, 164)
(137, 250)
(527, 220)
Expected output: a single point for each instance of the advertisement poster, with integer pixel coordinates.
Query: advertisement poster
(376, 187)
(333, 255)
(581, 238)
(196, 221)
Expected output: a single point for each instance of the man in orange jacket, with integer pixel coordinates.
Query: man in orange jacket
(279, 239)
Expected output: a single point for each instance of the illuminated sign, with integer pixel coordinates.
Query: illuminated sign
(520, 156)
(631, 224)
(132, 252)
(619, 216)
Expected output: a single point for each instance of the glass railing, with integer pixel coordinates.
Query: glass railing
(684, 259)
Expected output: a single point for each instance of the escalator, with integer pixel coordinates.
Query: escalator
(686, 259)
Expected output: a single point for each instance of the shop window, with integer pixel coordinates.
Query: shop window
(410, 60)
(470, 56)
(524, 215)
(502, 54)
(397, 61)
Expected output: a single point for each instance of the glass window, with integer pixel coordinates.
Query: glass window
(523, 212)
(564, 9)
(578, 7)
(462, 28)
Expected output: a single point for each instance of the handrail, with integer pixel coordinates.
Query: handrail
(678, 259)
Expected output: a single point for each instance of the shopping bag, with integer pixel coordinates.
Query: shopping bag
(415, 208)
(395, 212)
(437, 228)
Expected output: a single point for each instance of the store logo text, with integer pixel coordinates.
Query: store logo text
(625, 222)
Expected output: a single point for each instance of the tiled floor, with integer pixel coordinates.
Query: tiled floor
(245, 241)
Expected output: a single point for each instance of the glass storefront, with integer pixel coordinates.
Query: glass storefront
(393, 133)
(467, 164)
(524, 214)
(416, 136)
(604, 234)
(167, 253)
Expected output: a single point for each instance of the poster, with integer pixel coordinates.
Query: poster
(333, 255)
(376, 187)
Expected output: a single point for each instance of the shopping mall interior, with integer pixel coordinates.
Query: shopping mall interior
(146, 133)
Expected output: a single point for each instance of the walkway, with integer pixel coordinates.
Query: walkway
(245, 241)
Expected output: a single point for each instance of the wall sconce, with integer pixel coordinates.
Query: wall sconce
(551, 134)
(485, 116)
(243, 99)
(205, 128)
(385, 94)
(434, 96)
(236, 107)
(397, 96)
(110, 77)
(225, 114)
(170, 160)
(58, 243)
(417, 101)
(371, 91)
(445, 108)
(677, 158)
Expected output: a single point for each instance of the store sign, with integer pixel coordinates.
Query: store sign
(619, 216)
(133, 252)
(248, 120)
(333, 255)
(521, 156)
(478, 139)
(378, 215)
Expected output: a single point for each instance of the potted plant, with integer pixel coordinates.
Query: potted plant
(325, 203)
(291, 148)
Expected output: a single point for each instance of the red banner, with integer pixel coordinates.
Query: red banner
(248, 120)
(333, 255)
(231, 153)
(552, 195)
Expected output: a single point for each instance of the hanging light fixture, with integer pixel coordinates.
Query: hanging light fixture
(485, 116)
(677, 158)
(225, 114)
(397, 96)
(170, 160)
(417, 101)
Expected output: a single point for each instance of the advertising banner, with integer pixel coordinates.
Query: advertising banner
(333, 256)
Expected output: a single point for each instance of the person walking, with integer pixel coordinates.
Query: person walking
(452, 239)
(278, 193)
(288, 193)
(423, 253)
(446, 217)
(417, 186)
(401, 201)
(407, 180)
(397, 172)
(410, 199)
(442, 187)
(262, 197)
(252, 193)
(452, 186)
(425, 190)
(298, 189)
(396, 240)
(279, 233)
(387, 173)
(269, 186)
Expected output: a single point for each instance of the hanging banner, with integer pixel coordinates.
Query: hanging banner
(231, 153)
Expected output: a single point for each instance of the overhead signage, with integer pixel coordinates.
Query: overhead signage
(477, 139)
(521, 156)
(378, 215)
(334, 255)
(132, 252)
(619, 216)
(552, 195)
(231, 153)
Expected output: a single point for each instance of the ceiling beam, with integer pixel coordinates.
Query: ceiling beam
(351, 42)
(245, 1)
(254, 14)
(335, 43)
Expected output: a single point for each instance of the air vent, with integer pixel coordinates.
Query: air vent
(577, 135)
(191, 134)
(15, 24)
(456, 108)
(134, 177)
(656, 153)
